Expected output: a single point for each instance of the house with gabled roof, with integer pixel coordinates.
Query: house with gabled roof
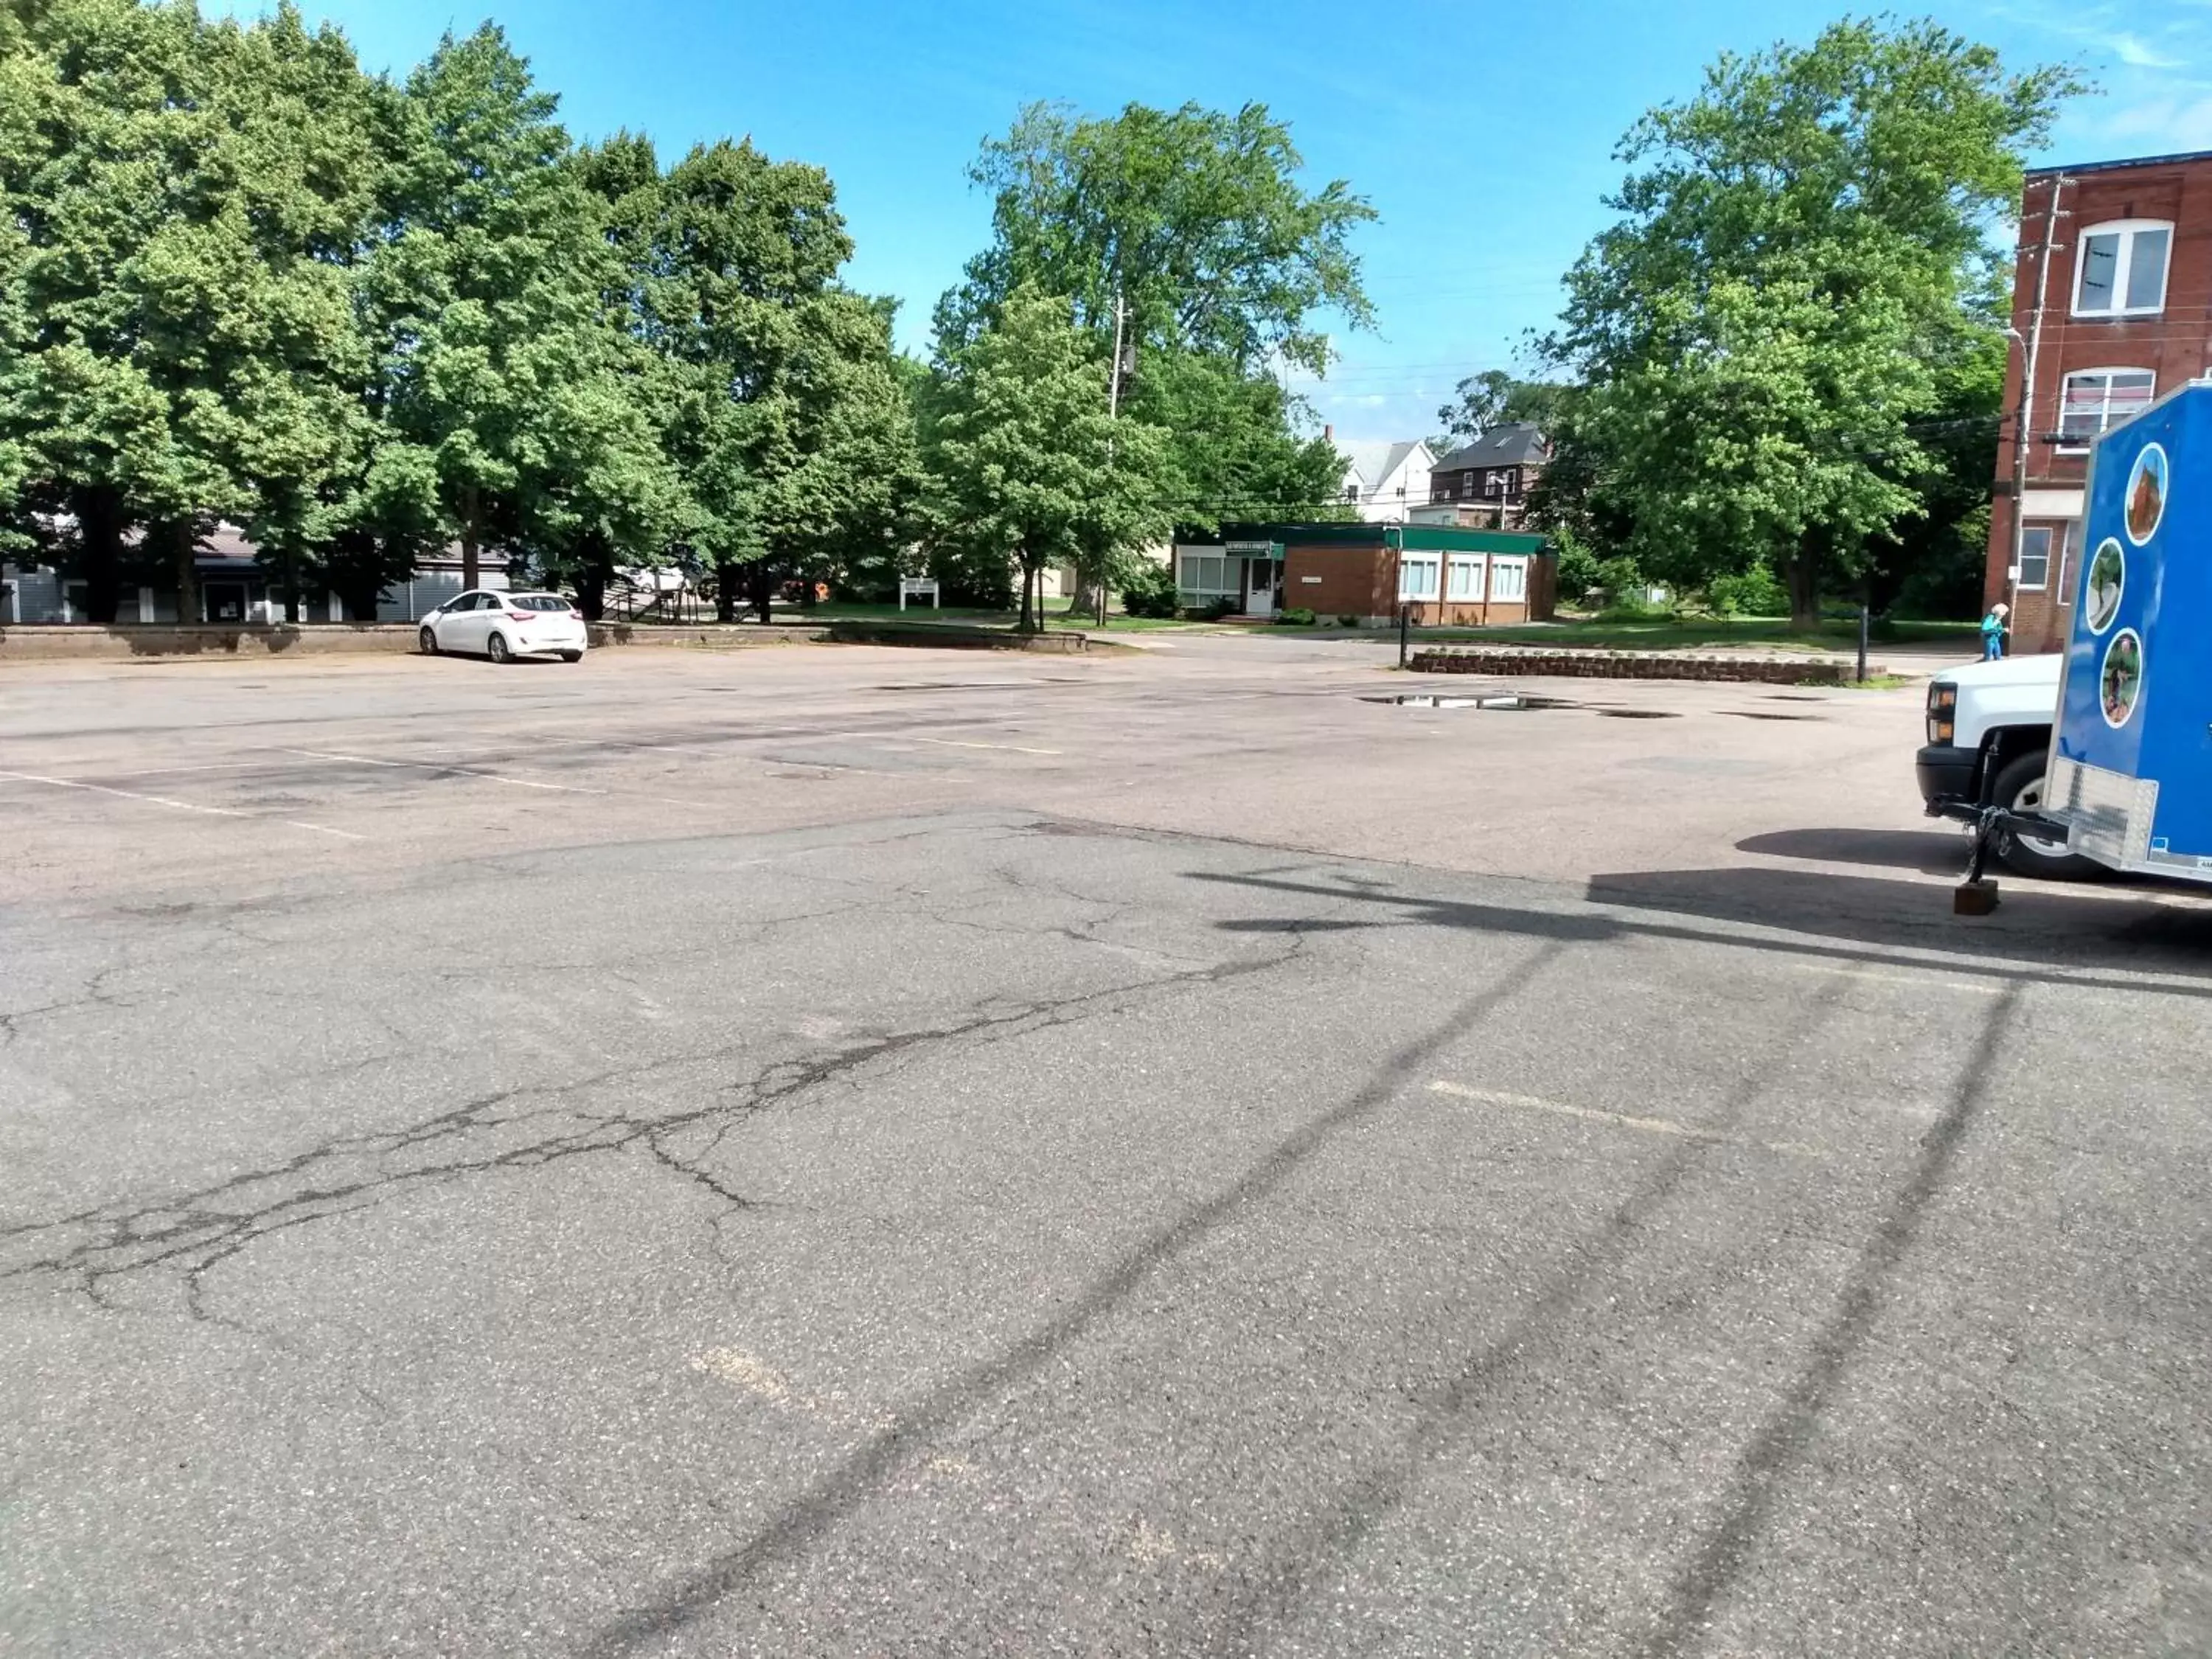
(1385, 480)
(1487, 481)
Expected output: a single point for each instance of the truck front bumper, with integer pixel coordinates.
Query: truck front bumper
(1947, 773)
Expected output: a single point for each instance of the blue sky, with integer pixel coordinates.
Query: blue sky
(1483, 137)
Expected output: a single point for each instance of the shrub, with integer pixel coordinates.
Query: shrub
(1347, 620)
(1296, 616)
(1149, 590)
(1754, 593)
(1578, 566)
(1624, 586)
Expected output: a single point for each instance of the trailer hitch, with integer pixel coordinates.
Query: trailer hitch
(1976, 896)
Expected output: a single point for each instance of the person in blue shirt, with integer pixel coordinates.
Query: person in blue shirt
(1993, 633)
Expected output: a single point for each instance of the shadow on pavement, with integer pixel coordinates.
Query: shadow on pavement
(1931, 852)
(1841, 918)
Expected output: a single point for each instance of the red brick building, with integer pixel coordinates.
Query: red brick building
(1439, 576)
(2112, 306)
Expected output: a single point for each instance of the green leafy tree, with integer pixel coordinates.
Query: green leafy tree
(1493, 398)
(187, 344)
(1189, 234)
(1761, 333)
(1025, 455)
(790, 429)
(1234, 451)
(488, 291)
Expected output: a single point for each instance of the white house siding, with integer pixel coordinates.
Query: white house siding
(423, 592)
(36, 596)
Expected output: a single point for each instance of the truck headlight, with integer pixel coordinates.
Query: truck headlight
(1943, 711)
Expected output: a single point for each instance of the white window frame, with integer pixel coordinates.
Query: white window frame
(2054, 548)
(1458, 565)
(1433, 563)
(2067, 444)
(1509, 581)
(2126, 231)
(1196, 588)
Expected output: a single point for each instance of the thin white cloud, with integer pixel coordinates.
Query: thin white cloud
(2165, 124)
(2139, 53)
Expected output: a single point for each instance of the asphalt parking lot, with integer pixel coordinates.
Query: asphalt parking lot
(848, 1150)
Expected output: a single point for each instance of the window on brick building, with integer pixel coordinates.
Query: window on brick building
(2122, 270)
(1464, 577)
(2038, 545)
(1417, 575)
(2097, 399)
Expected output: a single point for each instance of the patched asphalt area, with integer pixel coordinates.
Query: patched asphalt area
(1185, 1160)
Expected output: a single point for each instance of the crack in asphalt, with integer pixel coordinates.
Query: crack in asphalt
(197, 1231)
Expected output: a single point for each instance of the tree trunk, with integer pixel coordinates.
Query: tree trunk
(98, 511)
(725, 590)
(472, 534)
(592, 591)
(1026, 625)
(183, 558)
(761, 590)
(1801, 573)
(291, 587)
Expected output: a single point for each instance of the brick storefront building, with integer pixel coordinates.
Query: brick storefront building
(2112, 303)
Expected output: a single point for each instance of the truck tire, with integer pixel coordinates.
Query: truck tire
(2020, 786)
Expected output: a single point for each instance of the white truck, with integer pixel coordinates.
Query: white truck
(1989, 742)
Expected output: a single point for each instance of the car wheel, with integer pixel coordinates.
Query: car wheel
(572, 656)
(427, 639)
(2020, 786)
(495, 648)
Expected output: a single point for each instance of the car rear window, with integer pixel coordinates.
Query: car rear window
(540, 602)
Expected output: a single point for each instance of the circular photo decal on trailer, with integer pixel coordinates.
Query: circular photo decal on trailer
(2106, 583)
(2119, 685)
(2144, 505)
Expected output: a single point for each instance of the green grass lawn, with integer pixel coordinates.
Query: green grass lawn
(1057, 616)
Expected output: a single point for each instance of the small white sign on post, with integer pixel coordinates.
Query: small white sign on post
(917, 588)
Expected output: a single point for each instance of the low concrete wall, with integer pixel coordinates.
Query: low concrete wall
(1777, 670)
(67, 642)
(700, 636)
(945, 636)
(70, 642)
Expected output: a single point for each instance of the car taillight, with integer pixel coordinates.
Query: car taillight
(521, 615)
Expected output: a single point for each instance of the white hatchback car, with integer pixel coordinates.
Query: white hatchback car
(500, 625)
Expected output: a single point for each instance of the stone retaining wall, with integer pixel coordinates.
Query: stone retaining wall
(950, 636)
(1637, 665)
(70, 642)
(77, 642)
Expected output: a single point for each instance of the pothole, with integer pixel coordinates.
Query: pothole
(1764, 714)
(1518, 702)
(1501, 702)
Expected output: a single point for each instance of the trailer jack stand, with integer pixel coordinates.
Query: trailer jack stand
(1976, 896)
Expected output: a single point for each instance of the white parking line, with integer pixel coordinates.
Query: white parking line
(175, 805)
(1652, 1126)
(438, 766)
(500, 777)
(1935, 979)
(126, 794)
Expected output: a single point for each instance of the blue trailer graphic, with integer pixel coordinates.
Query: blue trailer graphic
(2131, 773)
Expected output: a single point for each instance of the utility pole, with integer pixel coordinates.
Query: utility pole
(1113, 413)
(2031, 349)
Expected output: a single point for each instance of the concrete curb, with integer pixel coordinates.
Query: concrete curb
(946, 637)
